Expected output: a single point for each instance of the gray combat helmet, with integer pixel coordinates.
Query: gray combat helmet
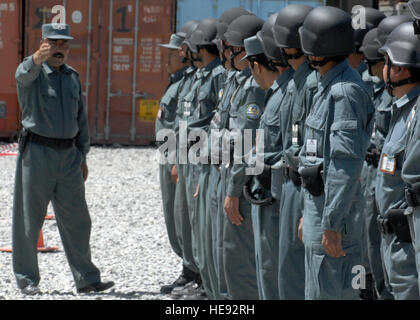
(242, 28)
(373, 18)
(266, 37)
(204, 34)
(370, 46)
(403, 50)
(414, 6)
(227, 18)
(187, 27)
(327, 32)
(288, 22)
(403, 47)
(388, 24)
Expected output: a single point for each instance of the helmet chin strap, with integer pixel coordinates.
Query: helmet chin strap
(232, 58)
(390, 85)
(224, 59)
(321, 63)
(292, 56)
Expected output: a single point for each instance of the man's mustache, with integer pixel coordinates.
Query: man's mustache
(58, 55)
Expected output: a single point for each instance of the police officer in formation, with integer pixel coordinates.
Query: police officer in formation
(296, 173)
(51, 166)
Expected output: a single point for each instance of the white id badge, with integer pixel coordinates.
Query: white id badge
(388, 164)
(187, 108)
(159, 114)
(295, 134)
(311, 149)
(233, 123)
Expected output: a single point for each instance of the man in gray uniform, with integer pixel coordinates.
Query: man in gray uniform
(247, 105)
(207, 201)
(411, 167)
(402, 78)
(273, 75)
(382, 102)
(51, 165)
(181, 219)
(372, 18)
(293, 113)
(337, 132)
(199, 107)
(176, 67)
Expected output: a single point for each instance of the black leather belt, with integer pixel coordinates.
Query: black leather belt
(384, 225)
(412, 197)
(293, 175)
(373, 157)
(54, 143)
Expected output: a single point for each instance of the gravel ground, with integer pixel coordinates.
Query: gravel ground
(128, 241)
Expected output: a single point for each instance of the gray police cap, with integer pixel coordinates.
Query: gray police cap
(253, 47)
(174, 43)
(56, 31)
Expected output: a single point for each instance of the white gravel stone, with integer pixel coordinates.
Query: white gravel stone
(129, 243)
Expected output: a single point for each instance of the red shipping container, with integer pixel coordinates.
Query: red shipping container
(10, 56)
(116, 53)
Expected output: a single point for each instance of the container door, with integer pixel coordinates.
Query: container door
(10, 50)
(135, 76)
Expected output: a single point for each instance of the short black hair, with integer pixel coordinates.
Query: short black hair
(211, 48)
(263, 60)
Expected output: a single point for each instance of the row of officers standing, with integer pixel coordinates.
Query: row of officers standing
(335, 213)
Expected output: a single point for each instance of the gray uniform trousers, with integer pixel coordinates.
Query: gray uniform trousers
(43, 175)
(239, 253)
(265, 220)
(373, 237)
(291, 249)
(203, 235)
(182, 219)
(168, 191)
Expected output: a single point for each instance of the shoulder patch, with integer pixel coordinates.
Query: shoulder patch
(253, 111)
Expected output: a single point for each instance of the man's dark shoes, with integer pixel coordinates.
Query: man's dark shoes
(30, 290)
(96, 287)
(185, 277)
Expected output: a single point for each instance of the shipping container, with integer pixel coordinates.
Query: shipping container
(10, 55)
(200, 9)
(116, 52)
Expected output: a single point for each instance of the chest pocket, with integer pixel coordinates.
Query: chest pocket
(343, 139)
(74, 100)
(382, 119)
(49, 95)
(270, 121)
(206, 101)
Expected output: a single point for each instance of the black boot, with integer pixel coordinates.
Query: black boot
(185, 277)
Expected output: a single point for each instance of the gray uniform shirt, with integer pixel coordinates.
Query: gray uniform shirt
(51, 102)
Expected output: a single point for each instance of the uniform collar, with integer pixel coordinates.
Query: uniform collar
(209, 68)
(178, 75)
(246, 73)
(409, 97)
(283, 78)
(362, 68)
(333, 73)
(48, 69)
(190, 70)
(301, 74)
